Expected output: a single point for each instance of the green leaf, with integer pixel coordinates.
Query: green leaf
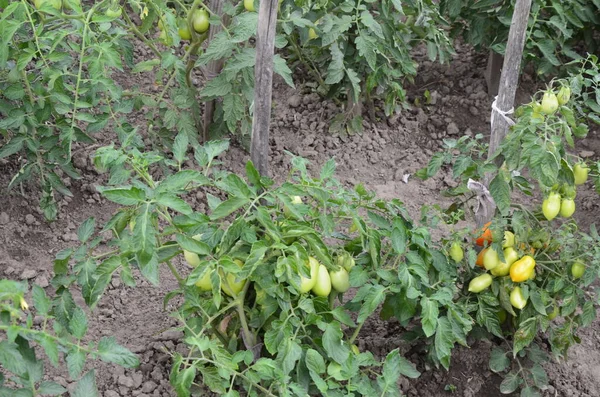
(180, 146)
(109, 350)
(193, 245)
(86, 386)
(396, 365)
(146, 66)
(124, 195)
(50, 348)
(367, 49)
(281, 68)
(227, 207)
(429, 316)
(11, 359)
(367, 19)
(335, 71)
(75, 362)
(539, 376)
(499, 361)
(500, 191)
(51, 389)
(314, 361)
(40, 300)
(510, 383)
(86, 229)
(548, 48)
(333, 344)
(524, 335)
(444, 340)
(181, 180)
(78, 323)
(529, 391)
(13, 146)
(375, 297)
(175, 203)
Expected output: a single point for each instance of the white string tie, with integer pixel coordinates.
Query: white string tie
(502, 113)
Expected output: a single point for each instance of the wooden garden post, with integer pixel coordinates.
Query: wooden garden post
(263, 76)
(504, 102)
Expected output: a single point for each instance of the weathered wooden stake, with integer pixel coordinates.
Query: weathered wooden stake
(504, 102)
(263, 76)
(213, 69)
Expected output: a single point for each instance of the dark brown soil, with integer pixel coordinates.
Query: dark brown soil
(382, 157)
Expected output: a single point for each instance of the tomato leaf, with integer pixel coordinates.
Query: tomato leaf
(510, 383)
(499, 361)
(429, 316)
(524, 335)
(332, 343)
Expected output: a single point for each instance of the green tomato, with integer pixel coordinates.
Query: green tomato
(184, 30)
(501, 270)
(577, 270)
(555, 312)
(580, 172)
(517, 299)
(549, 103)
(230, 286)
(509, 239)
(192, 259)
(296, 200)
(249, 5)
(56, 4)
(567, 208)
(114, 12)
(340, 280)
(551, 206)
(204, 283)
(323, 285)
(200, 21)
(312, 34)
(502, 314)
(564, 94)
(456, 252)
(490, 259)
(480, 283)
(306, 284)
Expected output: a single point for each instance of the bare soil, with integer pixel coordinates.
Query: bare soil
(381, 158)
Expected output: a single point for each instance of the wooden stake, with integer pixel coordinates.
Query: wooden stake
(263, 76)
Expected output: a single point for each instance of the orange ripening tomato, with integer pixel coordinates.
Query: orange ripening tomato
(486, 235)
(479, 261)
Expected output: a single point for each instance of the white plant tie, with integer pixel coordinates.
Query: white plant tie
(485, 202)
(502, 113)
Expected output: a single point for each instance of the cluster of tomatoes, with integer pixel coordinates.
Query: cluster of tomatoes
(561, 201)
(551, 102)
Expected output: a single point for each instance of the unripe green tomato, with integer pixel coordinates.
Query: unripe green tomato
(192, 258)
(184, 31)
(555, 312)
(564, 94)
(114, 12)
(323, 285)
(580, 172)
(204, 283)
(249, 5)
(306, 284)
(501, 270)
(312, 34)
(509, 239)
(502, 315)
(480, 283)
(56, 4)
(348, 262)
(355, 349)
(200, 21)
(551, 206)
(567, 208)
(517, 299)
(549, 103)
(577, 270)
(340, 280)
(510, 255)
(229, 285)
(456, 252)
(490, 259)
(295, 201)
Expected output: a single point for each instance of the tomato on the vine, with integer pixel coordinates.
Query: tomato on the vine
(184, 30)
(200, 21)
(555, 312)
(521, 270)
(517, 299)
(312, 34)
(249, 5)
(456, 252)
(486, 235)
(323, 284)
(340, 280)
(580, 172)
(306, 284)
(509, 239)
(549, 102)
(551, 206)
(480, 283)
(490, 259)
(56, 4)
(577, 270)
(296, 200)
(113, 12)
(567, 208)
(564, 94)
(192, 259)
(204, 283)
(230, 286)
(479, 261)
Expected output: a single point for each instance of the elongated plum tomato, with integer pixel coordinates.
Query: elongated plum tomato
(521, 270)
(549, 103)
(555, 312)
(200, 21)
(517, 299)
(192, 258)
(456, 252)
(114, 12)
(249, 5)
(229, 285)
(577, 270)
(501, 270)
(479, 261)
(580, 172)
(323, 285)
(567, 208)
(480, 283)
(551, 206)
(564, 94)
(509, 239)
(486, 235)
(306, 284)
(340, 280)
(490, 259)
